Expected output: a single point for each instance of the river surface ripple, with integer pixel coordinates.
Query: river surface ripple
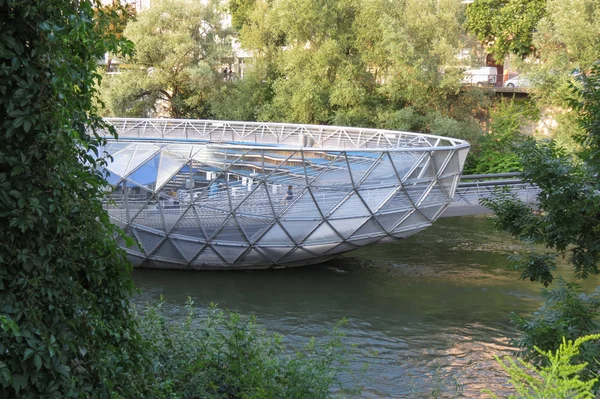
(427, 312)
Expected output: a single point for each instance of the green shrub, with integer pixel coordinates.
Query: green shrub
(65, 326)
(557, 379)
(224, 355)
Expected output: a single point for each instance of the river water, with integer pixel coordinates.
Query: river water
(425, 313)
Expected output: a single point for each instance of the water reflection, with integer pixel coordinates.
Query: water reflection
(433, 307)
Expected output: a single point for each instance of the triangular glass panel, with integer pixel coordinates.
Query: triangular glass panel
(274, 254)
(252, 226)
(211, 219)
(336, 171)
(231, 233)
(328, 197)
(361, 242)
(345, 227)
(253, 258)
(436, 196)
(256, 202)
(181, 150)
(142, 153)
(404, 162)
(454, 165)
(275, 236)
(112, 178)
(121, 160)
(298, 228)
(148, 240)
(169, 252)
(189, 249)
(448, 184)
(146, 174)
(121, 241)
(439, 159)
(462, 156)
(398, 202)
(432, 212)
(324, 233)
(301, 207)
(370, 228)
(389, 220)
(383, 173)
(361, 163)
(352, 207)
(416, 189)
(189, 225)
(140, 210)
(375, 197)
(229, 252)
(296, 254)
(341, 248)
(413, 221)
(169, 165)
(208, 258)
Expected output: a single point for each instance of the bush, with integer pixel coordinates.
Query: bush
(225, 355)
(65, 326)
(557, 379)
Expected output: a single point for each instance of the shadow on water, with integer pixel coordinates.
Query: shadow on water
(440, 300)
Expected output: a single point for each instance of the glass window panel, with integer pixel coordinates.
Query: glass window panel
(324, 233)
(189, 249)
(146, 174)
(371, 227)
(230, 253)
(253, 258)
(275, 236)
(347, 226)
(327, 198)
(168, 251)
(352, 207)
(207, 258)
(389, 220)
(148, 240)
(375, 197)
(121, 159)
(169, 165)
(298, 228)
(189, 225)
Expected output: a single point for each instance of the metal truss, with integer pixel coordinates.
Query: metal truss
(236, 195)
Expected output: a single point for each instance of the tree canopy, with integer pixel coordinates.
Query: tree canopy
(178, 50)
(65, 327)
(505, 26)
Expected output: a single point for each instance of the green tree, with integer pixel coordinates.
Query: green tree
(355, 62)
(566, 221)
(65, 326)
(179, 46)
(505, 26)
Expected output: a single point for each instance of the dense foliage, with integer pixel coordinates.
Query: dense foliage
(178, 50)
(65, 326)
(224, 355)
(567, 220)
(558, 379)
(505, 26)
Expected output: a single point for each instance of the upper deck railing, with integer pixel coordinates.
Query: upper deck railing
(282, 135)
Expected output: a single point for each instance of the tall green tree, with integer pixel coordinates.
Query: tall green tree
(505, 26)
(566, 221)
(65, 326)
(179, 47)
(353, 61)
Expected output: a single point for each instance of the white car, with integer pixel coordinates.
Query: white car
(518, 81)
(484, 76)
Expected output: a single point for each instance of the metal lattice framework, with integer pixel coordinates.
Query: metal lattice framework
(235, 195)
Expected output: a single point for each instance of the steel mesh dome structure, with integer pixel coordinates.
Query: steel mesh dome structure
(202, 194)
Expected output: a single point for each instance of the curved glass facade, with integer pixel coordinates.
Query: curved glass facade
(235, 195)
